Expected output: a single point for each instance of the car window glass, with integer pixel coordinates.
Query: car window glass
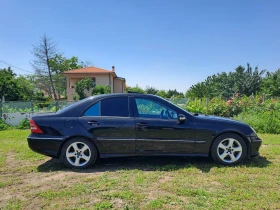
(116, 106)
(94, 110)
(151, 109)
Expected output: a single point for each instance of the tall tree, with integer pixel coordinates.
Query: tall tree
(43, 52)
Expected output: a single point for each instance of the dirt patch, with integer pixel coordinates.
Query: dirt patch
(23, 186)
(165, 179)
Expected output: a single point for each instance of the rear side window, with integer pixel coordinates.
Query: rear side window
(117, 107)
(94, 110)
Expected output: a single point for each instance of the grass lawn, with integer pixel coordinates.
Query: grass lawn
(31, 181)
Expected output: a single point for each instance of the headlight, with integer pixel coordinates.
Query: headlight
(253, 130)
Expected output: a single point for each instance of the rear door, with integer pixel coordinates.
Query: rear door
(110, 123)
(158, 130)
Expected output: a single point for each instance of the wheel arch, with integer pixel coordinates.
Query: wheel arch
(77, 136)
(247, 142)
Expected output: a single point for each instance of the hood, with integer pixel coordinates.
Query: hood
(217, 119)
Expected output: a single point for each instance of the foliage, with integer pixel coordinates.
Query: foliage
(24, 124)
(60, 85)
(265, 121)
(81, 86)
(151, 90)
(135, 89)
(242, 81)
(263, 116)
(9, 87)
(162, 93)
(26, 88)
(101, 89)
(59, 63)
(3, 126)
(271, 84)
(174, 94)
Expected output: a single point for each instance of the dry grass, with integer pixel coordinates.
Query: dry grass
(32, 181)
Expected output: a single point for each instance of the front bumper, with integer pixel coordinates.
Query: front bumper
(45, 145)
(255, 144)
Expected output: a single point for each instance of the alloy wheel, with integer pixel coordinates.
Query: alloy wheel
(229, 150)
(78, 154)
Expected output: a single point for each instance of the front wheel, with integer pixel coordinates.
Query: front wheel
(229, 149)
(78, 153)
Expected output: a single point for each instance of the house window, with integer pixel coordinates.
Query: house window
(93, 81)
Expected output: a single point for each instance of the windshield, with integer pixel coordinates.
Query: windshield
(174, 104)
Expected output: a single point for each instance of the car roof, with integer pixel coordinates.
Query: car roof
(119, 94)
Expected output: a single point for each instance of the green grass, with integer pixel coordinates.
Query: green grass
(29, 180)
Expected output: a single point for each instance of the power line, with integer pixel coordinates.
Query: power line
(15, 67)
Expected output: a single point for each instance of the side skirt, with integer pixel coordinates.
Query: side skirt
(153, 155)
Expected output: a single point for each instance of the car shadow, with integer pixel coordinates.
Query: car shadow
(150, 164)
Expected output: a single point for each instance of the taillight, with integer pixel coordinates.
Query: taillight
(34, 128)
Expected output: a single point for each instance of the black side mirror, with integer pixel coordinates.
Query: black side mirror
(182, 118)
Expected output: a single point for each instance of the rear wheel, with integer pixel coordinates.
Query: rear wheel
(78, 153)
(229, 149)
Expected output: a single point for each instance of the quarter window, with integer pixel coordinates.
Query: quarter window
(94, 110)
(151, 109)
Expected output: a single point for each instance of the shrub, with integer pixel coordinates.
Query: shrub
(262, 121)
(101, 89)
(3, 126)
(24, 124)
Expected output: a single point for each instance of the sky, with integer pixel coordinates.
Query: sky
(166, 44)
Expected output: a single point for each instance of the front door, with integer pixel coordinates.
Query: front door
(158, 130)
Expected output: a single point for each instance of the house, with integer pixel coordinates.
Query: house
(99, 77)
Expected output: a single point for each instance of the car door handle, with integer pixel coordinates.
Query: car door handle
(142, 124)
(93, 122)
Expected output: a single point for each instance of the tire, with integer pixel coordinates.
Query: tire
(229, 149)
(78, 153)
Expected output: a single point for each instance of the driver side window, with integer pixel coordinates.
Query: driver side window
(150, 109)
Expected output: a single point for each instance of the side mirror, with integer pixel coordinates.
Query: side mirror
(182, 118)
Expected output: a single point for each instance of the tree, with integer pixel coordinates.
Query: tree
(242, 81)
(174, 94)
(43, 52)
(26, 88)
(58, 65)
(8, 85)
(247, 81)
(271, 83)
(151, 90)
(162, 93)
(81, 86)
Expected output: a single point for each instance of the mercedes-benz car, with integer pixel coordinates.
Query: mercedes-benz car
(133, 124)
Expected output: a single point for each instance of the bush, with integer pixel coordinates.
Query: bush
(262, 121)
(101, 89)
(24, 124)
(3, 126)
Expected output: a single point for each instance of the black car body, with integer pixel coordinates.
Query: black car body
(131, 124)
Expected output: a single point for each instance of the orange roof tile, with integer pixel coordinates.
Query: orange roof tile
(90, 69)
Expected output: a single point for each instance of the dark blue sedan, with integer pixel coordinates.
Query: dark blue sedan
(132, 124)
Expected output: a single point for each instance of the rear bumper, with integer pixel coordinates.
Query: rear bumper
(46, 145)
(255, 144)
